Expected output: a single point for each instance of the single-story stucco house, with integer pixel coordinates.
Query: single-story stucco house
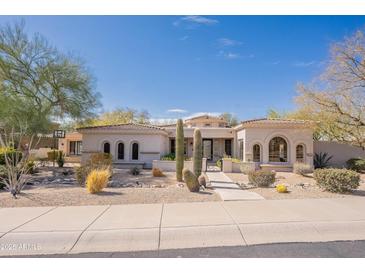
(272, 143)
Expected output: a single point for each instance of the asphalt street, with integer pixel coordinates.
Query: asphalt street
(340, 249)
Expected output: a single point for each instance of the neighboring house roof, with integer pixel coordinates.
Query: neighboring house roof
(275, 122)
(167, 125)
(126, 126)
(206, 117)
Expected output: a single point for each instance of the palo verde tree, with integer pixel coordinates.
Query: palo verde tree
(118, 116)
(39, 83)
(230, 119)
(179, 147)
(337, 98)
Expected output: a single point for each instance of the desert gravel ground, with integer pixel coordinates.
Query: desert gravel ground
(299, 187)
(149, 190)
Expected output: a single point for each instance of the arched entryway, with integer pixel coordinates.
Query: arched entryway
(120, 151)
(256, 153)
(135, 151)
(106, 147)
(278, 150)
(300, 153)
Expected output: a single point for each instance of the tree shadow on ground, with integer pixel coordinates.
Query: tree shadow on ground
(108, 193)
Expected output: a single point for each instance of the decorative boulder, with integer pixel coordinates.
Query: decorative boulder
(202, 181)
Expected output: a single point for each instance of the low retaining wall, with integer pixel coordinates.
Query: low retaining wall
(40, 152)
(340, 152)
(171, 165)
(233, 167)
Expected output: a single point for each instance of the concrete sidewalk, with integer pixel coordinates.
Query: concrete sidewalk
(229, 190)
(121, 228)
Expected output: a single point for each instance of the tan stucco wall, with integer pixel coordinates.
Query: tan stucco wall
(64, 144)
(340, 152)
(262, 136)
(151, 146)
(171, 165)
(206, 132)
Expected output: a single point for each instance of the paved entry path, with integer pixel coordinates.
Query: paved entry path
(228, 190)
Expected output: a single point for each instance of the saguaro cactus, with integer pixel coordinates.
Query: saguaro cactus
(179, 150)
(198, 152)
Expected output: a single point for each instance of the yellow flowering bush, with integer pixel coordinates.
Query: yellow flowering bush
(281, 188)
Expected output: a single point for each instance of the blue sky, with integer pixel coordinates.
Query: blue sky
(177, 66)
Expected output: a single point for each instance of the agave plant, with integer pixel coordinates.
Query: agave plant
(321, 160)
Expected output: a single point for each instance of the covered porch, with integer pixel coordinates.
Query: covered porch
(213, 148)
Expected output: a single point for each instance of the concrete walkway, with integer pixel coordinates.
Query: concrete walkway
(228, 190)
(123, 228)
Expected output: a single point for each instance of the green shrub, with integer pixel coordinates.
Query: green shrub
(356, 164)
(191, 180)
(53, 155)
(219, 163)
(30, 166)
(261, 178)
(81, 173)
(168, 157)
(96, 161)
(337, 180)
(12, 154)
(61, 159)
(302, 168)
(135, 171)
(101, 159)
(3, 176)
(234, 160)
(246, 168)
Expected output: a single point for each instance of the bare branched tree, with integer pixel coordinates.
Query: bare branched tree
(17, 155)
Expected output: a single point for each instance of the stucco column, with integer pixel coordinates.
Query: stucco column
(292, 152)
(309, 153)
(265, 152)
(227, 165)
(235, 153)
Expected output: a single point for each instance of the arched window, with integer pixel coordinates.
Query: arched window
(278, 150)
(300, 153)
(135, 151)
(106, 147)
(120, 151)
(256, 153)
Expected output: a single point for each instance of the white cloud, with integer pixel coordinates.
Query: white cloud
(163, 121)
(177, 110)
(195, 20)
(274, 63)
(225, 42)
(304, 64)
(183, 38)
(202, 113)
(233, 55)
(250, 56)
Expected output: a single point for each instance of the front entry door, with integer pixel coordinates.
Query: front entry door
(208, 149)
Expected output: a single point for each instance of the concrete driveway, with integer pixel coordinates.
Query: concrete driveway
(144, 227)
